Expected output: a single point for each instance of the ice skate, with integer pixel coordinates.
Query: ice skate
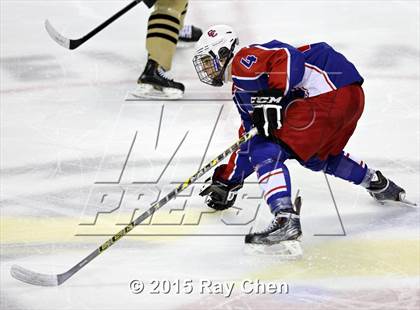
(188, 35)
(281, 237)
(154, 83)
(384, 190)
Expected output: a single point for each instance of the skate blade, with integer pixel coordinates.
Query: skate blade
(285, 250)
(401, 201)
(405, 201)
(147, 92)
(408, 203)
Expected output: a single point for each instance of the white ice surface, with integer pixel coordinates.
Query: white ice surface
(65, 126)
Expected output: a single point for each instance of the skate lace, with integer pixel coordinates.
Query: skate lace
(186, 32)
(270, 227)
(164, 74)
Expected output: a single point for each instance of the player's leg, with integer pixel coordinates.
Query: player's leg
(162, 37)
(188, 33)
(183, 14)
(346, 167)
(163, 30)
(273, 176)
(342, 166)
(346, 111)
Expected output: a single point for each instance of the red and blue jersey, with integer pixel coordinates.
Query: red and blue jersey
(306, 71)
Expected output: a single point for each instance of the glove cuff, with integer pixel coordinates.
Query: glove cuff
(218, 178)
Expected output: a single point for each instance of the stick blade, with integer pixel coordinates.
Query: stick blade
(34, 278)
(57, 37)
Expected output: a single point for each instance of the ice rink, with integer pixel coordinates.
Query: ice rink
(78, 162)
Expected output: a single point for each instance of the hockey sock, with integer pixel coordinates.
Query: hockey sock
(348, 168)
(274, 180)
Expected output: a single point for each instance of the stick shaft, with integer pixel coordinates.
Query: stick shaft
(74, 43)
(157, 205)
(105, 24)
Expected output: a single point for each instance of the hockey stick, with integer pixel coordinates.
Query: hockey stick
(72, 44)
(35, 278)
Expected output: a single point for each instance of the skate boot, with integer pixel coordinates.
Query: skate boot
(281, 237)
(285, 226)
(384, 190)
(189, 33)
(154, 83)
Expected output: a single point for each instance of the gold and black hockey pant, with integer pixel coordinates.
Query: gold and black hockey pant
(164, 25)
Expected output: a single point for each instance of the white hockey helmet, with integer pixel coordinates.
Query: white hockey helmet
(214, 51)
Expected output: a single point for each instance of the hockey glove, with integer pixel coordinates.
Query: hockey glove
(267, 111)
(220, 195)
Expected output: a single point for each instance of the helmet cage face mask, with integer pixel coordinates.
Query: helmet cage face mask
(208, 68)
(211, 67)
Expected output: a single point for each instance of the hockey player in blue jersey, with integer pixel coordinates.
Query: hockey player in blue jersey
(305, 103)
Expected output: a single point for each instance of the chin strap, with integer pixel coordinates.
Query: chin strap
(222, 76)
